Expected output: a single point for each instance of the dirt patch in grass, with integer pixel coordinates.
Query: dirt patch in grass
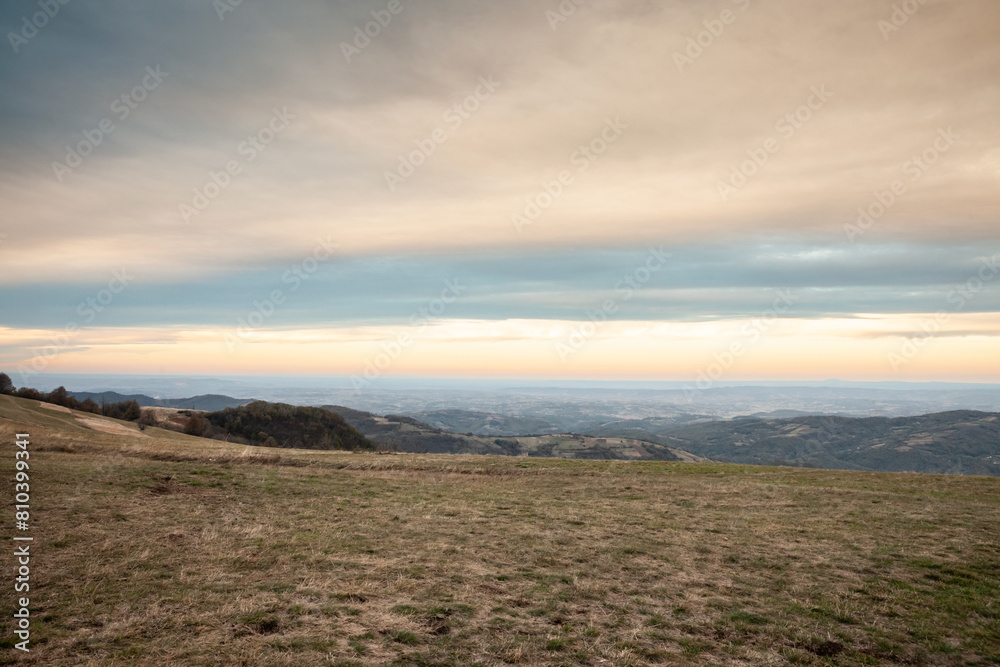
(54, 407)
(107, 426)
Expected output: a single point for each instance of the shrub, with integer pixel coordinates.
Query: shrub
(197, 425)
(147, 419)
(125, 410)
(60, 396)
(28, 392)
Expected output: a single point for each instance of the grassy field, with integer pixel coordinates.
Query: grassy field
(157, 548)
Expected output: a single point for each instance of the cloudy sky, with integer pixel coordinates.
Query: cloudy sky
(724, 189)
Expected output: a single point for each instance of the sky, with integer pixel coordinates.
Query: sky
(692, 190)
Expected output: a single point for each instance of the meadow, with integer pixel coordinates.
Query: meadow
(153, 547)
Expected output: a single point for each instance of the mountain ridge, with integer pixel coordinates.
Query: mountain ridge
(953, 442)
(206, 402)
(406, 434)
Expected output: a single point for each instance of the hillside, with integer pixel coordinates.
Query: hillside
(959, 442)
(157, 548)
(406, 434)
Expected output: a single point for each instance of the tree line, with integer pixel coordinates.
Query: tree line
(124, 410)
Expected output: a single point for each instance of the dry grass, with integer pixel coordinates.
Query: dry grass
(176, 550)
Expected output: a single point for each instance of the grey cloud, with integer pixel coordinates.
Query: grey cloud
(706, 282)
(686, 130)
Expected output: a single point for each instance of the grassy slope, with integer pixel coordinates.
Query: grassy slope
(176, 550)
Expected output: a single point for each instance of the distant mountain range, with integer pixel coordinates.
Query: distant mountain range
(958, 442)
(208, 402)
(485, 423)
(954, 442)
(491, 423)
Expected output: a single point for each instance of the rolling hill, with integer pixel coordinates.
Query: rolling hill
(957, 442)
(485, 423)
(406, 434)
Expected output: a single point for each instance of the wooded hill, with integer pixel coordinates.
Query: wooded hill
(283, 425)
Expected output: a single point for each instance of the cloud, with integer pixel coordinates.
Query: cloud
(751, 86)
(528, 348)
(325, 174)
(697, 283)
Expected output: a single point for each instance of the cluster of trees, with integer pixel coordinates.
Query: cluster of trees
(6, 386)
(125, 410)
(281, 425)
